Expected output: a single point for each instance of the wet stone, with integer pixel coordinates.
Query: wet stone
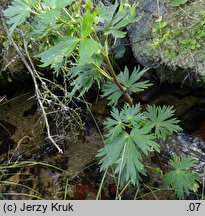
(185, 144)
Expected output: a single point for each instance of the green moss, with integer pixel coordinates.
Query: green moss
(183, 41)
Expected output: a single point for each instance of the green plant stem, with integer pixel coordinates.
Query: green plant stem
(101, 185)
(69, 15)
(114, 76)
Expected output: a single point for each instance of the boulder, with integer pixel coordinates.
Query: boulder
(176, 50)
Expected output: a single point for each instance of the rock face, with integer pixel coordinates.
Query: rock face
(185, 144)
(176, 48)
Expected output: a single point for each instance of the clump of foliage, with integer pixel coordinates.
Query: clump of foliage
(129, 137)
(181, 179)
(76, 39)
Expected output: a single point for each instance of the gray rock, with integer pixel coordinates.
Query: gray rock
(185, 144)
(140, 33)
(182, 67)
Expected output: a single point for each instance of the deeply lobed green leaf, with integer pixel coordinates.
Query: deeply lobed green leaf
(182, 163)
(126, 141)
(162, 120)
(181, 179)
(120, 16)
(82, 78)
(49, 17)
(130, 83)
(17, 13)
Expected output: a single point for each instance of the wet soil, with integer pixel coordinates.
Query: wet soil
(22, 140)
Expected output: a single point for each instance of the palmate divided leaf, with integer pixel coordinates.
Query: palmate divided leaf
(133, 116)
(114, 125)
(56, 4)
(162, 120)
(18, 12)
(181, 179)
(122, 120)
(124, 157)
(131, 84)
(120, 16)
(126, 141)
(82, 78)
(49, 17)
